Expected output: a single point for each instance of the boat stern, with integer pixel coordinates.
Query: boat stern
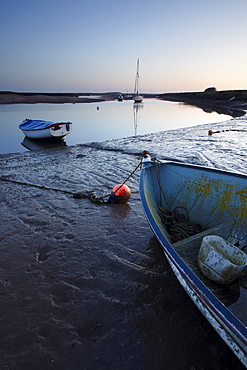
(61, 129)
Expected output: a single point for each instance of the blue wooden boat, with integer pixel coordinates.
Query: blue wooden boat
(190, 208)
(39, 129)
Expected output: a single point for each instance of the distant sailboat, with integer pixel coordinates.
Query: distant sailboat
(137, 98)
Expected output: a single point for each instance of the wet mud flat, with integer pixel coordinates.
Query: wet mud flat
(86, 286)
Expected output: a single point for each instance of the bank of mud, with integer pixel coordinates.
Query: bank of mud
(86, 286)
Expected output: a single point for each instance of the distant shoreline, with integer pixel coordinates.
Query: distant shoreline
(209, 100)
(11, 97)
(230, 102)
(229, 98)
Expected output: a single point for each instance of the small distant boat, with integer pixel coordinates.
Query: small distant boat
(137, 97)
(39, 129)
(199, 216)
(128, 97)
(120, 97)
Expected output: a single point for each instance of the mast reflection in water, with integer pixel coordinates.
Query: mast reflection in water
(136, 108)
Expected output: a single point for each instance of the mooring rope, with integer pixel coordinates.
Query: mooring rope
(88, 194)
(178, 225)
(210, 132)
(6, 178)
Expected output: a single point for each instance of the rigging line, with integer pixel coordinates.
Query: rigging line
(161, 189)
(132, 173)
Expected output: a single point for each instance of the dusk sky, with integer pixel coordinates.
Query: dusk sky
(93, 46)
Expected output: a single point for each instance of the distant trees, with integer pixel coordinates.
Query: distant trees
(210, 90)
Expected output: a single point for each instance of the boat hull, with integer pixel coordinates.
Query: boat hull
(138, 99)
(217, 323)
(191, 184)
(39, 129)
(50, 132)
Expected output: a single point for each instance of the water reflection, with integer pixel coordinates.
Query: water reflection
(219, 110)
(136, 108)
(99, 122)
(40, 144)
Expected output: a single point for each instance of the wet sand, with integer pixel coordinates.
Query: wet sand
(86, 286)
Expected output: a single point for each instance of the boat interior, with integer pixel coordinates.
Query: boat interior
(218, 204)
(233, 295)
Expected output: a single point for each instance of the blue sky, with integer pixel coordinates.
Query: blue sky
(93, 46)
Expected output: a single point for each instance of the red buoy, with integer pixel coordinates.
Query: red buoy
(120, 194)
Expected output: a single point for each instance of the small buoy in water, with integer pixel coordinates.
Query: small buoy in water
(97, 107)
(210, 132)
(120, 194)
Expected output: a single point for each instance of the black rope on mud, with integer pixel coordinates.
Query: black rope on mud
(178, 225)
(5, 178)
(88, 194)
(210, 132)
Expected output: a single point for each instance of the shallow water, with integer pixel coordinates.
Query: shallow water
(112, 120)
(86, 286)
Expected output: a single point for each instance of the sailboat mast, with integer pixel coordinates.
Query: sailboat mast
(137, 98)
(137, 78)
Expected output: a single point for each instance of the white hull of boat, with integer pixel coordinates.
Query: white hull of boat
(138, 99)
(50, 132)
